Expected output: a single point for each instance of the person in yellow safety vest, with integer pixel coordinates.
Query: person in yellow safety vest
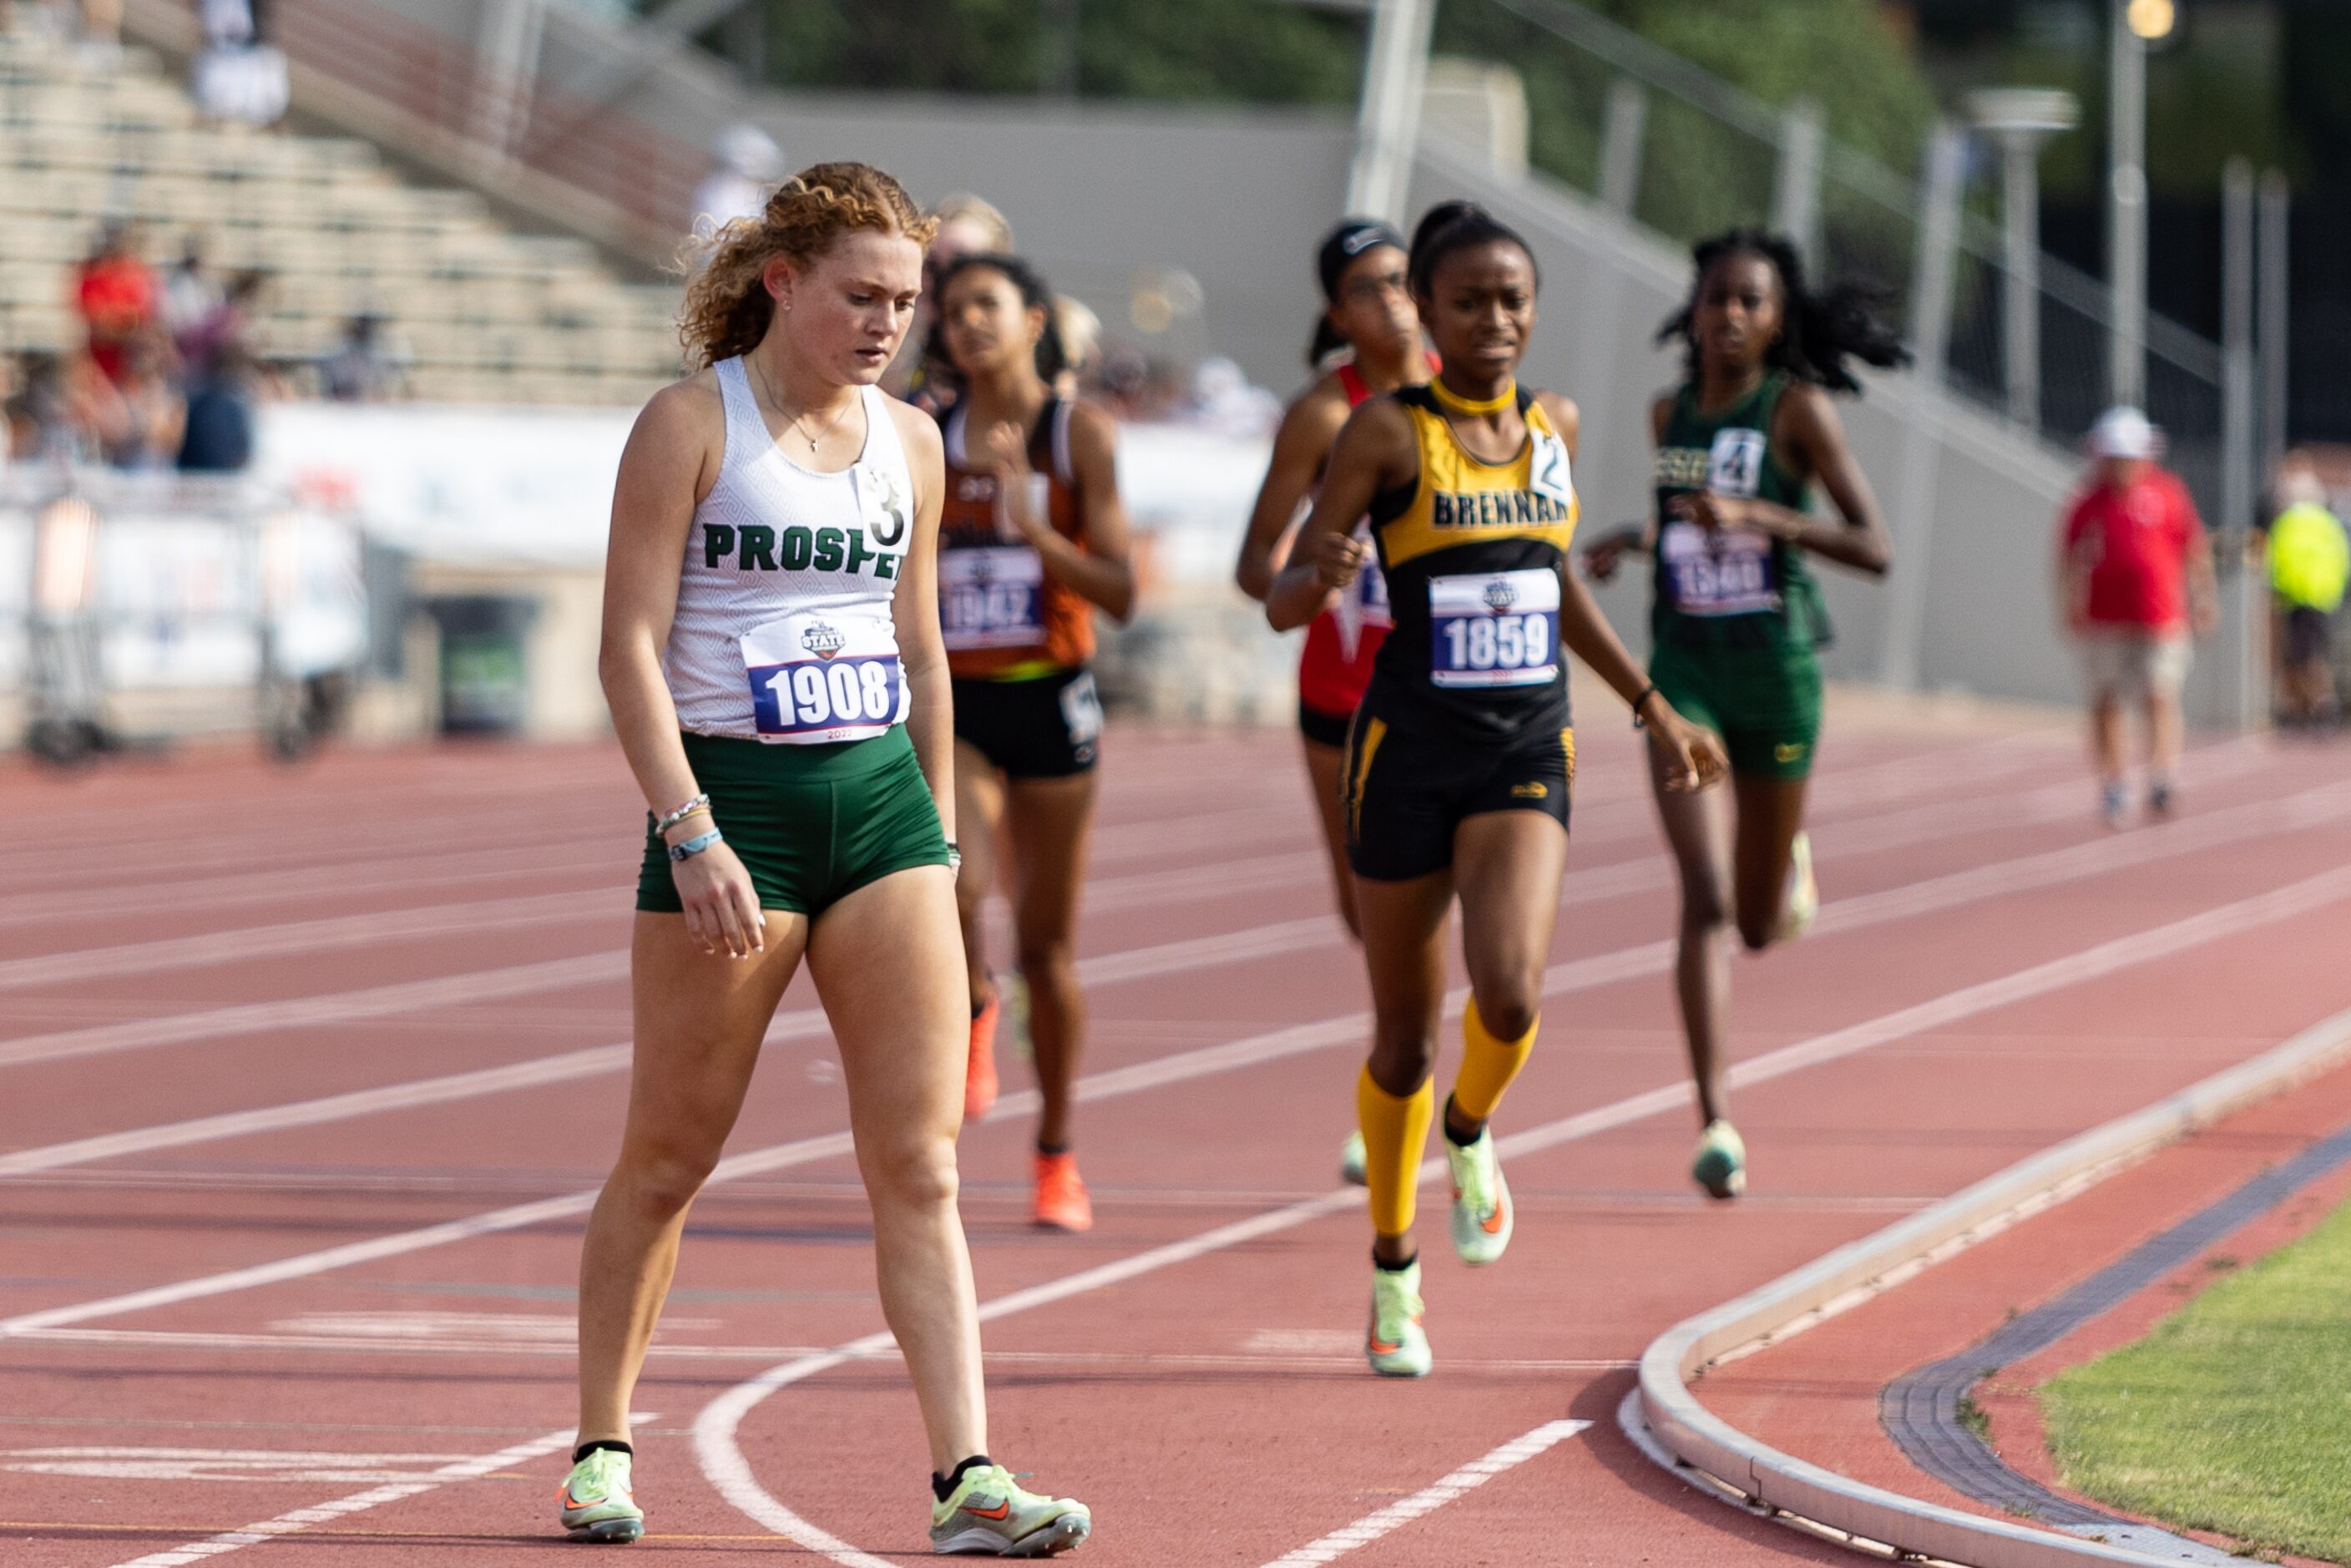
(2309, 562)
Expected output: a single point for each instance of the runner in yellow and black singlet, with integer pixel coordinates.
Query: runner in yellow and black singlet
(1461, 757)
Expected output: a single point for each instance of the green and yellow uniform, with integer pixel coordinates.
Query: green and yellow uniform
(1466, 711)
(1737, 622)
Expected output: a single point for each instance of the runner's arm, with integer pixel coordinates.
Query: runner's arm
(1375, 452)
(669, 464)
(1100, 571)
(1299, 446)
(1697, 756)
(915, 610)
(1808, 425)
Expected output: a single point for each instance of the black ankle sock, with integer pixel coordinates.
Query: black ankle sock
(1045, 1148)
(943, 1485)
(584, 1449)
(1446, 1121)
(1395, 1268)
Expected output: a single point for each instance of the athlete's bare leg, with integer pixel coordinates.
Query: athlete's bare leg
(1507, 867)
(1770, 815)
(1403, 951)
(883, 960)
(699, 1021)
(979, 821)
(1324, 766)
(1698, 830)
(1050, 824)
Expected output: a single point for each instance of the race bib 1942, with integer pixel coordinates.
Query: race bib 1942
(990, 596)
(1494, 629)
(823, 677)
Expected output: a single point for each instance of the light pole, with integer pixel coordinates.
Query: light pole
(2135, 24)
(2021, 119)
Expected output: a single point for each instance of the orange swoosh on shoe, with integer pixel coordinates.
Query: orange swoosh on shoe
(1493, 1225)
(1001, 1510)
(1382, 1347)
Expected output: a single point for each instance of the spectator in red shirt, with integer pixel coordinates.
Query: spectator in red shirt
(2137, 572)
(116, 295)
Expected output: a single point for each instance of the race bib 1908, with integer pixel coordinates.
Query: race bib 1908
(990, 597)
(1494, 629)
(818, 676)
(1726, 571)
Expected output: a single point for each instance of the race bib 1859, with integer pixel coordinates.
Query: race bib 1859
(1494, 629)
(1725, 571)
(990, 597)
(823, 677)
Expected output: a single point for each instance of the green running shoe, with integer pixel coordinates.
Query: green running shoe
(1395, 1346)
(596, 1501)
(1804, 891)
(989, 1514)
(1352, 1169)
(1720, 1166)
(1482, 1215)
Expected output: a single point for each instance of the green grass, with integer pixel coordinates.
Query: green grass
(2235, 1413)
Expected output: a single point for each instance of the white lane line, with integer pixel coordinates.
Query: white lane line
(296, 1521)
(1404, 1511)
(2310, 808)
(334, 1007)
(332, 934)
(715, 1429)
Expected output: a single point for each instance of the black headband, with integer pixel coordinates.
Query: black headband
(1345, 244)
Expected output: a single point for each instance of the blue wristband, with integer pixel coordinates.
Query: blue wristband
(695, 845)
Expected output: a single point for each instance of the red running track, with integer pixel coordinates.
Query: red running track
(304, 1077)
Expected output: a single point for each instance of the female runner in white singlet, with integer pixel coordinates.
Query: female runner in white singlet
(773, 662)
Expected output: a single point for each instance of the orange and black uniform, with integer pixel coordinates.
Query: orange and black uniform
(1466, 711)
(1020, 643)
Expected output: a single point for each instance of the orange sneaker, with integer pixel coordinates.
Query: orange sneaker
(979, 1076)
(1061, 1200)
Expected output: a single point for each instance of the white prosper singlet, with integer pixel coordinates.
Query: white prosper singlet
(783, 631)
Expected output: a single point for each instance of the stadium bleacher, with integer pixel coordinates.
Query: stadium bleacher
(481, 312)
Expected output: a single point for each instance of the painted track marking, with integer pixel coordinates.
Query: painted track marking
(296, 1521)
(2102, 958)
(2312, 808)
(714, 1428)
(1404, 1511)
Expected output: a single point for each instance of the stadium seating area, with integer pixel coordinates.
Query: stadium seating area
(480, 312)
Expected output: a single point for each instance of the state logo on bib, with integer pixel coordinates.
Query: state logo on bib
(819, 678)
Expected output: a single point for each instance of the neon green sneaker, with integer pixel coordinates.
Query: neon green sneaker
(1395, 1346)
(1352, 1169)
(989, 1514)
(1720, 1166)
(1482, 1215)
(596, 1502)
(1803, 891)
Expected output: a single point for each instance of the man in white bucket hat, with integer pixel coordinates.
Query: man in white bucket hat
(2136, 575)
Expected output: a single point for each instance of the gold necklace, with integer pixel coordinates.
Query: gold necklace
(794, 420)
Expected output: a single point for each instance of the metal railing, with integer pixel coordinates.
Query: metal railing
(1682, 152)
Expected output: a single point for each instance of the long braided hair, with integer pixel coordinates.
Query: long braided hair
(1820, 330)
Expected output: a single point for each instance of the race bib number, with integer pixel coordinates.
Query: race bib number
(1494, 629)
(1718, 572)
(1734, 467)
(1551, 473)
(1081, 711)
(991, 596)
(818, 678)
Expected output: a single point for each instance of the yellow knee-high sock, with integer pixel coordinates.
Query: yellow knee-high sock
(1395, 1130)
(1488, 1064)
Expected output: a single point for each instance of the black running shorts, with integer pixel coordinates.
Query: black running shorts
(1403, 794)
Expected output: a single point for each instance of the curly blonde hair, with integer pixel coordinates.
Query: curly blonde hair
(727, 307)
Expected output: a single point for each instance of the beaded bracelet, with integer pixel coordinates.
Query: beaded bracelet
(699, 803)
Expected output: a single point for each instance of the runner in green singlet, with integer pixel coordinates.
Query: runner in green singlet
(1736, 620)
